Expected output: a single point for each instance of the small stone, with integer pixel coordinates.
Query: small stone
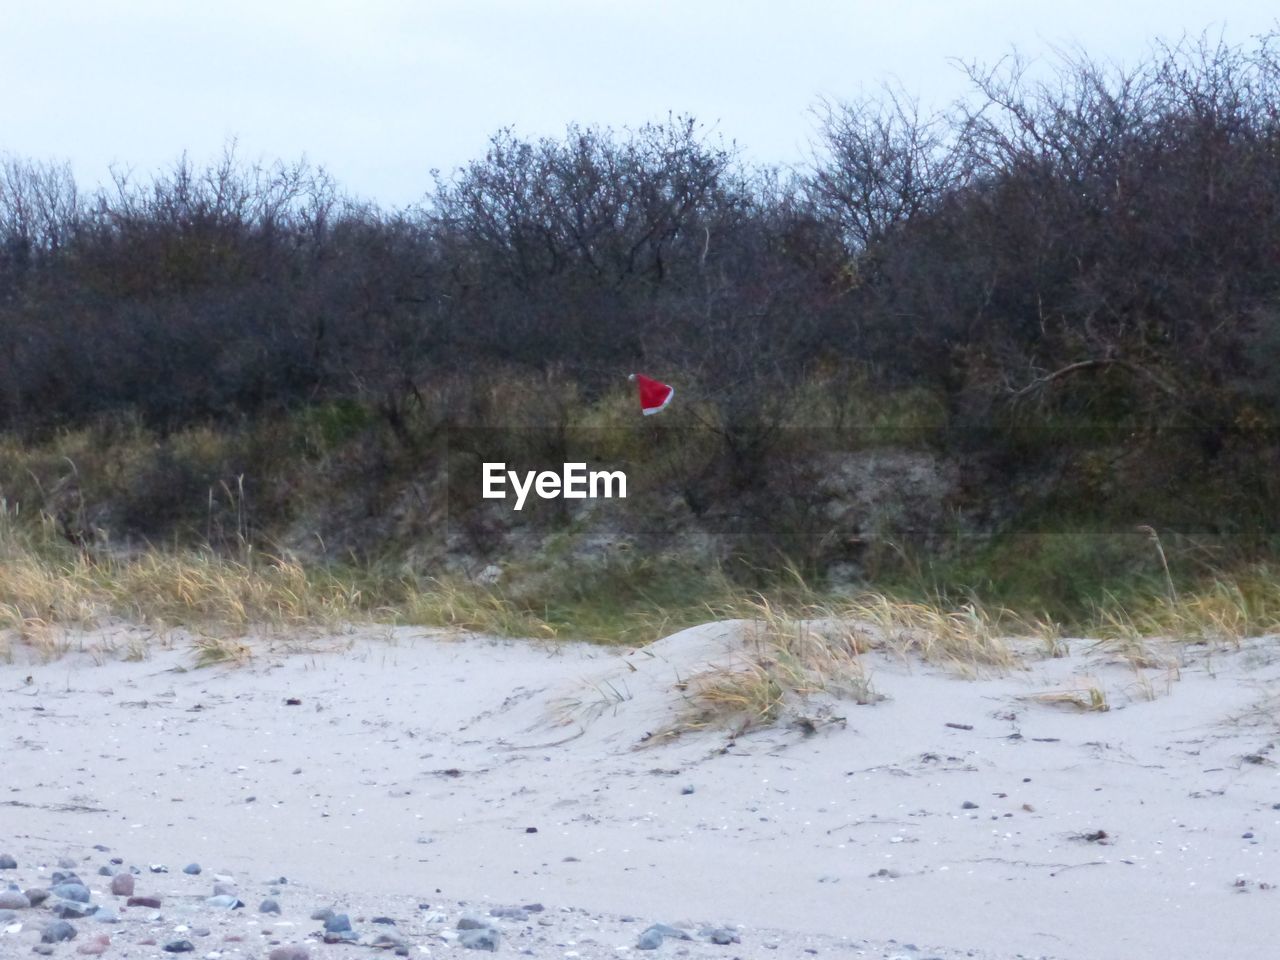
(105, 871)
(96, 946)
(649, 940)
(1248, 835)
(383, 920)
(471, 922)
(509, 913)
(687, 789)
(66, 863)
(323, 914)
(36, 895)
(152, 902)
(191, 868)
(968, 805)
(337, 923)
(179, 946)
(291, 952)
(722, 936)
(122, 885)
(225, 901)
(71, 891)
(224, 889)
(533, 908)
(14, 900)
(72, 909)
(44, 949)
(486, 939)
(7, 862)
(159, 868)
(270, 906)
(340, 936)
(57, 931)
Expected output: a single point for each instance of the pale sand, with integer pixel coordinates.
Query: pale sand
(416, 761)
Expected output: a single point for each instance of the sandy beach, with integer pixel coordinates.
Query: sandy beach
(419, 777)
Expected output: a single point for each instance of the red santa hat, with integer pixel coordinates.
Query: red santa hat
(654, 395)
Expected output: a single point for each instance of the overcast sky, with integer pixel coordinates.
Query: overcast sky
(382, 91)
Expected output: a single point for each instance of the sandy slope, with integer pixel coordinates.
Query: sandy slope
(415, 766)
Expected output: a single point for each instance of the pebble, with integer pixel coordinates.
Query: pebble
(224, 901)
(968, 805)
(471, 922)
(179, 946)
(152, 902)
(337, 923)
(323, 914)
(36, 895)
(57, 931)
(72, 909)
(71, 891)
(66, 863)
(191, 868)
(687, 790)
(486, 939)
(122, 885)
(7, 862)
(159, 868)
(651, 938)
(270, 906)
(43, 949)
(722, 936)
(14, 900)
(224, 889)
(509, 913)
(95, 946)
(291, 952)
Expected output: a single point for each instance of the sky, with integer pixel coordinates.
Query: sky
(381, 92)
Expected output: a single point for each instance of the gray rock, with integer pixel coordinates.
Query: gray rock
(57, 931)
(71, 891)
(968, 805)
(159, 868)
(290, 952)
(323, 914)
(337, 923)
(179, 946)
(652, 938)
(486, 939)
(191, 868)
(470, 921)
(37, 895)
(340, 936)
(106, 915)
(14, 900)
(72, 909)
(44, 949)
(649, 940)
(721, 935)
(7, 862)
(225, 901)
(686, 790)
(66, 863)
(224, 889)
(509, 913)
(105, 872)
(269, 906)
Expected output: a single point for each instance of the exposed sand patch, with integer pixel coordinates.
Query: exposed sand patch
(417, 762)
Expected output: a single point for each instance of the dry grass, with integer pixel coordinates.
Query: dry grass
(783, 662)
(1089, 697)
